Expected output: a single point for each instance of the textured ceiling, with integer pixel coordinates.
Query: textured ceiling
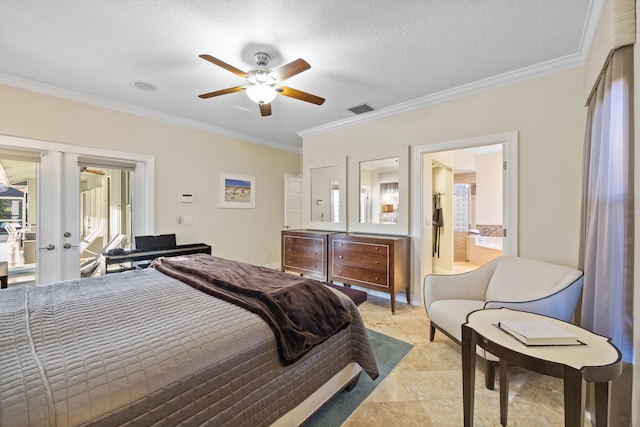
(384, 53)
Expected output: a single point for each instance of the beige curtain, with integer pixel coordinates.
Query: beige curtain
(607, 230)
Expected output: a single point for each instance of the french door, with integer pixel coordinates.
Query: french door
(61, 209)
(58, 256)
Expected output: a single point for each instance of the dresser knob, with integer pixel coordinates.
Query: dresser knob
(289, 249)
(377, 262)
(340, 257)
(377, 248)
(375, 278)
(340, 271)
(315, 253)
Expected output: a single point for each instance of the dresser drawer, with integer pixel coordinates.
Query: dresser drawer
(304, 262)
(359, 275)
(360, 248)
(373, 262)
(303, 243)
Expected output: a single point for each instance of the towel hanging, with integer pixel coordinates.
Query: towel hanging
(438, 223)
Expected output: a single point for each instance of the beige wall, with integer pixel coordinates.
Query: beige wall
(549, 115)
(186, 161)
(489, 189)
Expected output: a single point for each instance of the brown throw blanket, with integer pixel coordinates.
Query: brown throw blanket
(302, 312)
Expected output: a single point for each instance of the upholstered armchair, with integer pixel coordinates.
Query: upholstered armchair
(514, 282)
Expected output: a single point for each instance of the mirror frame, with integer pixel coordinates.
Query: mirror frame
(307, 222)
(402, 226)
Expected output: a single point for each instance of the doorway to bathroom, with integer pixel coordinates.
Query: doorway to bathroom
(468, 209)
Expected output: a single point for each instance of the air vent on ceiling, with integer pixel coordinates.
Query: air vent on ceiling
(362, 108)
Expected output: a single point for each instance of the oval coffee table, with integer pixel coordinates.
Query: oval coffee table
(597, 361)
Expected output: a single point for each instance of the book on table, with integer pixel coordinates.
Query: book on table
(538, 332)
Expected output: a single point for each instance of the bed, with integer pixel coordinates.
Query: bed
(144, 348)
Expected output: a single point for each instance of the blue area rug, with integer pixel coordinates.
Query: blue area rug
(389, 352)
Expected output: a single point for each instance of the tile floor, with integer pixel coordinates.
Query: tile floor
(425, 389)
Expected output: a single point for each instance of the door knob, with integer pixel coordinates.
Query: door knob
(51, 247)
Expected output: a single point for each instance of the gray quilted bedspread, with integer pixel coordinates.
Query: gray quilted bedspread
(141, 348)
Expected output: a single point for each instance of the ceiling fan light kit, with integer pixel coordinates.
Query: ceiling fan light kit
(262, 85)
(261, 94)
(262, 82)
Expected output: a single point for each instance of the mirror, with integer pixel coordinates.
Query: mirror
(379, 195)
(325, 194)
(379, 192)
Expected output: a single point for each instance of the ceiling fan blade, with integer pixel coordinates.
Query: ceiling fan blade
(224, 65)
(265, 109)
(93, 171)
(289, 70)
(221, 92)
(298, 94)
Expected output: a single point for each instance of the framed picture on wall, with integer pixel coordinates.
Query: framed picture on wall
(236, 191)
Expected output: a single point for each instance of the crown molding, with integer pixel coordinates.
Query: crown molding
(123, 107)
(521, 75)
(590, 26)
(528, 73)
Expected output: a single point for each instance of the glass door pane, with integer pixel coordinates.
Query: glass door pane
(105, 215)
(18, 230)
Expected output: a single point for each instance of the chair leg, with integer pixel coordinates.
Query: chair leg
(432, 331)
(490, 374)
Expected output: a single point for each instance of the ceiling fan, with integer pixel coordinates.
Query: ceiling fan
(263, 84)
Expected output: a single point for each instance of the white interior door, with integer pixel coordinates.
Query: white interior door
(292, 201)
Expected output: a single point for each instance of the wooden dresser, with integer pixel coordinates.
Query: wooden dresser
(371, 261)
(305, 252)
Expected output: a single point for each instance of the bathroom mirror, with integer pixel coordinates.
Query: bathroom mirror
(379, 185)
(325, 205)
